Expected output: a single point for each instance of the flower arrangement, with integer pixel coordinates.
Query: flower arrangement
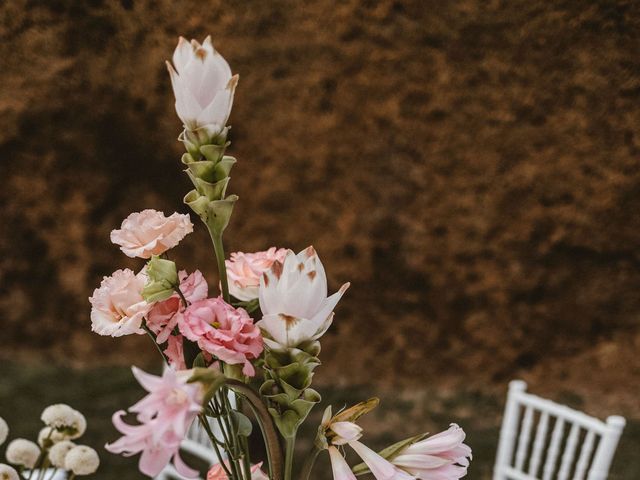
(54, 455)
(256, 342)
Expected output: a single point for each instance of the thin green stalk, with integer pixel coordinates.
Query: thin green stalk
(53, 474)
(229, 438)
(182, 297)
(153, 338)
(218, 247)
(206, 426)
(309, 462)
(42, 468)
(242, 447)
(290, 445)
(267, 426)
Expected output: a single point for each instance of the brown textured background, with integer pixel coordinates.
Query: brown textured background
(471, 167)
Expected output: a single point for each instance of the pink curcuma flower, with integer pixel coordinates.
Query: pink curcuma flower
(294, 302)
(217, 473)
(440, 457)
(245, 269)
(223, 331)
(203, 86)
(149, 232)
(117, 306)
(165, 315)
(164, 417)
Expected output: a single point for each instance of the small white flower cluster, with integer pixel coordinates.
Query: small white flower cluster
(54, 449)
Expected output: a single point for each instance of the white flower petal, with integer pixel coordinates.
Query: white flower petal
(339, 466)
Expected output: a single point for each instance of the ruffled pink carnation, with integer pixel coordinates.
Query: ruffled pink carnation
(164, 417)
(223, 331)
(117, 305)
(165, 315)
(245, 269)
(149, 232)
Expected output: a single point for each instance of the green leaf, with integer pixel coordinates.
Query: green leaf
(199, 361)
(210, 379)
(242, 423)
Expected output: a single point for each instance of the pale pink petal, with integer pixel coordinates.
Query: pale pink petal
(340, 468)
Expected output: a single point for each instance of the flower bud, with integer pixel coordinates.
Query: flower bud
(204, 88)
(162, 280)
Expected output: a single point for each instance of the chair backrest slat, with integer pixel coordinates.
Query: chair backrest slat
(525, 434)
(554, 449)
(585, 455)
(569, 452)
(538, 444)
(572, 431)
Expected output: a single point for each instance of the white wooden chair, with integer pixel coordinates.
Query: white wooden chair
(520, 458)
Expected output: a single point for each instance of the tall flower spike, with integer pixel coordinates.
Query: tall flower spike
(204, 90)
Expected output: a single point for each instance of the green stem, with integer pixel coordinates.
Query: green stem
(184, 300)
(267, 426)
(153, 338)
(308, 464)
(218, 247)
(214, 442)
(288, 459)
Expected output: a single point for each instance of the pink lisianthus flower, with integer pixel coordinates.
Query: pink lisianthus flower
(165, 315)
(149, 232)
(164, 417)
(294, 302)
(117, 306)
(217, 472)
(223, 331)
(245, 269)
(443, 456)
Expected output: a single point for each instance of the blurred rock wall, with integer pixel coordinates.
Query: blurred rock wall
(472, 167)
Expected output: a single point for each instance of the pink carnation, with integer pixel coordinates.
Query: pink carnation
(223, 331)
(165, 315)
(245, 269)
(149, 232)
(117, 306)
(164, 417)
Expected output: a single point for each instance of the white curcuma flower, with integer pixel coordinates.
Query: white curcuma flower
(82, 460)
(23, 452)
(4, 431)
(58, 453)
(8, 473)
(203, 86)
(293, 299)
